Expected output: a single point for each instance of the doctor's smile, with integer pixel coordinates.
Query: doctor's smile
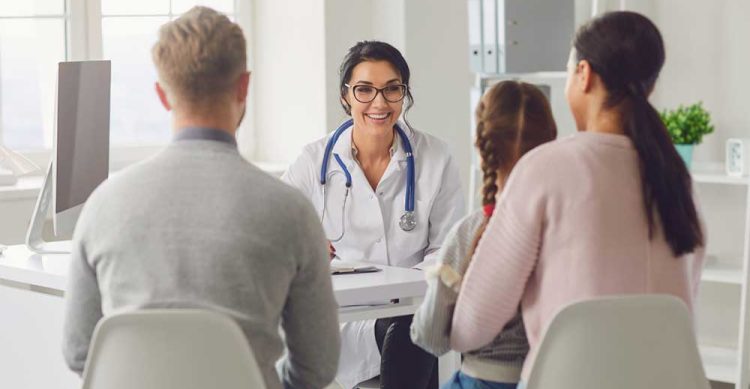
(378, 118)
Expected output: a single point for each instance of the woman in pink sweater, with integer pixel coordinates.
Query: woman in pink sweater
(606, 211)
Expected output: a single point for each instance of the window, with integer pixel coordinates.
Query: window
(35, 35)
(129, 29)
(32, 41)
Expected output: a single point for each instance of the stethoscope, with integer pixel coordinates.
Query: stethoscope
(408, 220)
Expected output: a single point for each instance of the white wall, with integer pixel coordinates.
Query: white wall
(389, 19)
(346, 23)
(289, 83)
(437, 47)
(708, 59)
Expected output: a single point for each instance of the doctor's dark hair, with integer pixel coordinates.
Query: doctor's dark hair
(512, 118)
(374, 51)
(626, 50)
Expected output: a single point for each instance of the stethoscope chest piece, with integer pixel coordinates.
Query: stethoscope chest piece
(408, 221)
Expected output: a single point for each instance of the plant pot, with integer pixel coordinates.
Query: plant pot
(686, 152)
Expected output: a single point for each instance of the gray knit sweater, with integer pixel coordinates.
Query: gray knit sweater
(198, 226)
(432, 322)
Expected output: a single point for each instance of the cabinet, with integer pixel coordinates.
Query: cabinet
(520, 36)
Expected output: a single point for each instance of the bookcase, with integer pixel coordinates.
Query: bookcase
(722, 308)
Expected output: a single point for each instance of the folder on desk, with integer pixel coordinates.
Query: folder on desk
(352, 269)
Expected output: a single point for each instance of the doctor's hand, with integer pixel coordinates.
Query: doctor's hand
(331, 250)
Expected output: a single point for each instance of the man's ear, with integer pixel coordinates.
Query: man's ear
(243, 85)
(162, 96)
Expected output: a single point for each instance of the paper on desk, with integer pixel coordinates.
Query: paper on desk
(343, 269)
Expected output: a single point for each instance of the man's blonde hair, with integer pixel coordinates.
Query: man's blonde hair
(199, 55)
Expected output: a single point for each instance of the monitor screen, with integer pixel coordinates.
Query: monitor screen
(82, 135)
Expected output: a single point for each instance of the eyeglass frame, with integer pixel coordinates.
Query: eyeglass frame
(379, 90)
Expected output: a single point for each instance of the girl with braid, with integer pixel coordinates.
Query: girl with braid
(512, 118)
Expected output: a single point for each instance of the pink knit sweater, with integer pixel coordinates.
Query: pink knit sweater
(570, 225)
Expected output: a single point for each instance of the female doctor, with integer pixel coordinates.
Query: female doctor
(386, 194)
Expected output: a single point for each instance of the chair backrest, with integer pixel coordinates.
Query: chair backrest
(173, 348)
(620, 342)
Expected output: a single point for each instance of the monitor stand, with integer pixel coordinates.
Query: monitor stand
(34, 238)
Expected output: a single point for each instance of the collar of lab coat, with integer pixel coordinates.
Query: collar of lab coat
(344, 146)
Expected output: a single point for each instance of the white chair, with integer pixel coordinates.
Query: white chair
(622, 342)
(165, 349)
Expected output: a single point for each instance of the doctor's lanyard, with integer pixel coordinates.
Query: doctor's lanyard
(408, 220)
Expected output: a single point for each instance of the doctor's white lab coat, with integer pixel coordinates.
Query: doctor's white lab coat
(371, 221)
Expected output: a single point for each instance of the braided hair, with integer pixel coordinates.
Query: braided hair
(512, 118)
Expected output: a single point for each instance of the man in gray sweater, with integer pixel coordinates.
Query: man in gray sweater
(198, 226)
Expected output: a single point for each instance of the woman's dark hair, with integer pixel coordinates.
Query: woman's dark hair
(512, 118)
(374, 51)
(626, 50)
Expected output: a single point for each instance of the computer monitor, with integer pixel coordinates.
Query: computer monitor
(80, 160)
(82, 138)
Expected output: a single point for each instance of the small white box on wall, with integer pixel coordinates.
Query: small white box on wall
(737, 157)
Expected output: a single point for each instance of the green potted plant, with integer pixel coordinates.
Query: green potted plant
(686, 127)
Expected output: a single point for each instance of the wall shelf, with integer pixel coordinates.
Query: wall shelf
(714, 173)
(720, 363)
(727, 364)
(722, 272)
(719, 178)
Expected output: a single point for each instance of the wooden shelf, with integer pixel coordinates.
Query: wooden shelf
(720, 363)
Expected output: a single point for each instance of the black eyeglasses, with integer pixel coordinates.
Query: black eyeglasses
(366, 93)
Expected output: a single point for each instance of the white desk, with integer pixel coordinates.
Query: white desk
(32, 286)
(406, 285)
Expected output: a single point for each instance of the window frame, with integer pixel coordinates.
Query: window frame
(83, 41)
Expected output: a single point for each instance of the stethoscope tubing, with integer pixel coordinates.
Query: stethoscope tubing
(410, 169)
